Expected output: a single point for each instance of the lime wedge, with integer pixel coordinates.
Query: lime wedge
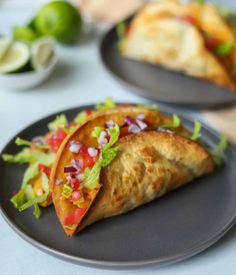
(42, 51)
(25, 34)
(5, 43)
(15, 58)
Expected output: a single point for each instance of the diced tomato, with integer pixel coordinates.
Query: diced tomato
(211, 43)
(107, 137)
(60, 134)
(75, 196)
(56, 139)
(188, 18)
(88, 112)
(89, 161)
(124, 131)
(128, 30)
(75, 183)
(71, 123)
(44, 169)
(75, 217)
(84, 151)
(125, 105)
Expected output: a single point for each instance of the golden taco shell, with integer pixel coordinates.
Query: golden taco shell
(163, 33)
(184, 161)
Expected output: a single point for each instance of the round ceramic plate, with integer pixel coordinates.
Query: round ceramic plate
(164, 231)
(155, 82)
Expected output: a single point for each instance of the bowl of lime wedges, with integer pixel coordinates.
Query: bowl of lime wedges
(23, 65)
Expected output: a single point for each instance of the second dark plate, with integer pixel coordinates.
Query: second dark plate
(156, 83)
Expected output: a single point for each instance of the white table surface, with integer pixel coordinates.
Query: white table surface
(78, 79)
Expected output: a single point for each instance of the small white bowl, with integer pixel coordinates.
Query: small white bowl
(28, 80)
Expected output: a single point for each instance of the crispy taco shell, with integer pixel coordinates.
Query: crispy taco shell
(158, 35)
(148, 165)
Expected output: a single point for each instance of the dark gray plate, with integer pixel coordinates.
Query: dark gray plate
(157, 83)
(164, 231)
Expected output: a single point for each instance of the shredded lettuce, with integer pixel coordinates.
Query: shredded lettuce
(22, 142)
(23, 156)
(80, 117)
(114, 136)
(106, 105)
(91, 175)
(108, 156)
(59, 122)
(218, 151)
(197, 130)
(97, 131)
(67, 191)
(152, 107)
(224, 49)
(200, 1)
(174, 124)
(31, 199)
(121, 29)
(26, 198)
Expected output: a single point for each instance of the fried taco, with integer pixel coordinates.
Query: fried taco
(193, 38)
(120, 160)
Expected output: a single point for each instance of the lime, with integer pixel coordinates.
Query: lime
(60, 20)
(42, 51)
(15, 58)
(4, 45)
(24, 34)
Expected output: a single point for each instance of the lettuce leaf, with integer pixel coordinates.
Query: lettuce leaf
(224, 49)
(67, 191)
(197, 129)
(152, 107)
(108, 156)
(80, 117)
(174, 124)
(23, 156)
(218, 151)
(26, 197)
(121, 29)
(59, 122)
(97, 131)
(106, 105)
(91, 175)
(22, 142)
(31, 199)
(114, 136)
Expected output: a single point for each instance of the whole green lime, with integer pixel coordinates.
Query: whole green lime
(60, 20)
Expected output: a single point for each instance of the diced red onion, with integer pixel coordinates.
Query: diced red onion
(75, 146)
(92, 151)
(77, 163)
(129, 120)
(102, 140)
(69, 169)
(142, 125)
(58, 181)
(109, 124)
(39, 140)
(141, 116)
(133, 128)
